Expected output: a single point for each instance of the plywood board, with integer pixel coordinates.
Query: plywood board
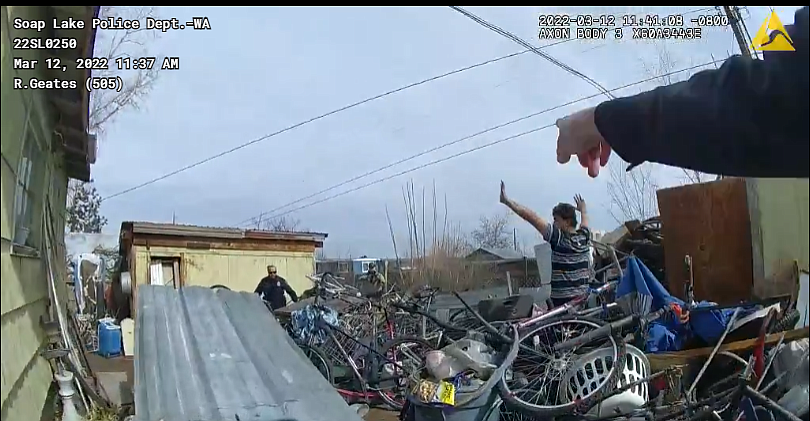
(662, 361)
(710, 222)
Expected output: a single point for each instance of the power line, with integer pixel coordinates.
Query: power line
(527, 45)
(321, 116)
(449, 144)
(419, 167)
(533, 49)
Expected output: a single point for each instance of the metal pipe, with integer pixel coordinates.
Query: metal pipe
(772, 406)
(616, 261)
(711, 356)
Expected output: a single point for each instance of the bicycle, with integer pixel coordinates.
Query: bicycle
(375, 362)
(516, 389)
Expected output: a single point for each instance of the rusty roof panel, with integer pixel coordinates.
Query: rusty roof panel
(181, 230)
(205, 355)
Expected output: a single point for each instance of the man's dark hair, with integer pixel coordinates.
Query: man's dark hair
(566, 212)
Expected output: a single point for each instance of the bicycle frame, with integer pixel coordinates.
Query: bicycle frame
(367, 392)
(567, 307)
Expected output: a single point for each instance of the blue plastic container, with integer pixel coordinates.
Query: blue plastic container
(109, 339)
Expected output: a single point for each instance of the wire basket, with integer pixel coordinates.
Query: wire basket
(591, 370)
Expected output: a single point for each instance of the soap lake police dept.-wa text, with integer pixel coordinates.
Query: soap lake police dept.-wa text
(199, 23)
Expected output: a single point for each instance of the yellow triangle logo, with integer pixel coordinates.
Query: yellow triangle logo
(772, 36)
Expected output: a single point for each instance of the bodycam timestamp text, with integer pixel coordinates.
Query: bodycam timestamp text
(603, 27)
(54, 60)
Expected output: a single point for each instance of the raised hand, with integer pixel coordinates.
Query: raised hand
(580, 202)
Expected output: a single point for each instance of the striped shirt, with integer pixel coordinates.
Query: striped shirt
(570, 261)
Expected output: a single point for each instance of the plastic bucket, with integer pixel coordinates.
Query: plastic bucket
(109, 338)
(479, 409)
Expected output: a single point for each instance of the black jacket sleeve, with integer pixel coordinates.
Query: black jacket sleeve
(748, 118)
(288, 289)
(260, 287)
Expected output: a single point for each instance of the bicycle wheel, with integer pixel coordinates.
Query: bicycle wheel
(549, 374)
(320, 360)
(409, 354)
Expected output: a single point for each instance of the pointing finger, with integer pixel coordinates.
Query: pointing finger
(593, 162)
(563, 158)
(604, 153)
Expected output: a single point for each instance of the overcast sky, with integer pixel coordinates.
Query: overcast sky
(262, 69)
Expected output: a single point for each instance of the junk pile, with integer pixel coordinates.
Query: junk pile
(89, 274)
(628, 348)
(641, 239)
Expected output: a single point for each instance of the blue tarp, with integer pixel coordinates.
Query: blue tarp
(667, 334)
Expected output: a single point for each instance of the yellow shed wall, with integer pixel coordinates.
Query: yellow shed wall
(239, 270)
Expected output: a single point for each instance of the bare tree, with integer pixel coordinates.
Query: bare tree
(123, 48)
(437, 261)
(281, 224)
(632, 193)
(120, 48)
(493, 231)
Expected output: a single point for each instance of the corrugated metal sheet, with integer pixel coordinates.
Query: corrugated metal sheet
(203, 354)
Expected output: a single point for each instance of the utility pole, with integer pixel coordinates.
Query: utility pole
(734, 20)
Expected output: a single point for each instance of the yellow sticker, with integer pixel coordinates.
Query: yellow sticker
(447, 393)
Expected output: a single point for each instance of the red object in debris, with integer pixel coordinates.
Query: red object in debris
(683, 316)
(759, 349)
(108, 297)
(659, 384)
(759, 355)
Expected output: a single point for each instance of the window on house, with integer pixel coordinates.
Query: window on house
(365, 267)
(29, 170)
(343, 267)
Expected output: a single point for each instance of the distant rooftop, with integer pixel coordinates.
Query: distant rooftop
(503, 254)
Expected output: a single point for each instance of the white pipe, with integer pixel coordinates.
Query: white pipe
(67, 392)
(54, 295)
